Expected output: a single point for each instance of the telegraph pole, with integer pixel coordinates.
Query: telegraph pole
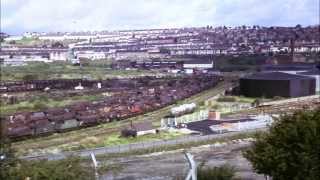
(318, 67)
(4, 144)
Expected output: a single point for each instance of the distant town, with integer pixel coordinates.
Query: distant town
(150, 44)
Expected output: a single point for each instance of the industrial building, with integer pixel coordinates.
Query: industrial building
(315, 74)
(277, 84)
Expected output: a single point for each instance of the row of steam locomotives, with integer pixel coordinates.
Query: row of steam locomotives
(127, 101)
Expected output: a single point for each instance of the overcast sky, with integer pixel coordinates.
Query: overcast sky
(18, 16)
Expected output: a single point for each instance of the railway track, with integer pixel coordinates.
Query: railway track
(282, 108)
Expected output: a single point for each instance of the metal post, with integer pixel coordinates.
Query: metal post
(318, 67)
(192, 174)
(95, 164)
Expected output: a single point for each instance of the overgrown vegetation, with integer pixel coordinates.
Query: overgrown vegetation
(182, 145)
(240, 99)
(64, 70)
(12, 168)
(42, 102)
(290, 150)
(117, 140)
(114, 139)
(70, 168)
(227, 99)
(224, 172)
(240, 63)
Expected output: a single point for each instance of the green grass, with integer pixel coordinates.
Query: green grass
(43, 102)
(224, 172)
(115, 139)
(58, 70)
(29, 41)
(243, 99)
(240, 99)
(181, 146)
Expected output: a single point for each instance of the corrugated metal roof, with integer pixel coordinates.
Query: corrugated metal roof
(275, 76)
(312, 72)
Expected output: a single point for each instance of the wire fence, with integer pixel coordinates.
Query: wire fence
(140, 146)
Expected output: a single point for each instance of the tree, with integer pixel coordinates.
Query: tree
(70, 168)
(12, 42)
(290, 149)
(30, 77)
(57, 45)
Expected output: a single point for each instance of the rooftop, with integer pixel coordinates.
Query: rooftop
(275, 76)
(312, 72)
(198, 62)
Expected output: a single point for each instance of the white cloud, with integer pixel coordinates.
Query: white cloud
(75, 15)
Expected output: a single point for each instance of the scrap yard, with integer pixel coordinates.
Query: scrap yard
(115, 104)
(129, 98)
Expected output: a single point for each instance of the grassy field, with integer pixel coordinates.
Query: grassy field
(239, 99)
(115, 139)
(55, 70)
(42, 102)
(34, 41)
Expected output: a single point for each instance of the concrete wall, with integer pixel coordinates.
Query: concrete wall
(302, 87)
(264, 88)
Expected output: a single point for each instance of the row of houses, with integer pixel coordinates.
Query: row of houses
(163, 43)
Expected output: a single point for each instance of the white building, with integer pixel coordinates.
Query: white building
(91, 55)
(58, 56)
(198, 64)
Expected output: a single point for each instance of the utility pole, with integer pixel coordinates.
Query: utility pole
(318, 67)
(4, 143)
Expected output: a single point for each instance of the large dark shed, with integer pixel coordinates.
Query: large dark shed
(277, 84)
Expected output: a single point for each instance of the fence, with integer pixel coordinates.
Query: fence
(174, 121)
(127, 148)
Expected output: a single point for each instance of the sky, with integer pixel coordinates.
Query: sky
(18, 16)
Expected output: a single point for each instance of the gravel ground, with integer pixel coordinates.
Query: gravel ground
(172, 164)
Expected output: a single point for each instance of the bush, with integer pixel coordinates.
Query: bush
(128, 133)
(29, 77)
(39, 105)
(67, 169)
(227, 99)
(277, 98)
(290, 150)
(224, 172)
